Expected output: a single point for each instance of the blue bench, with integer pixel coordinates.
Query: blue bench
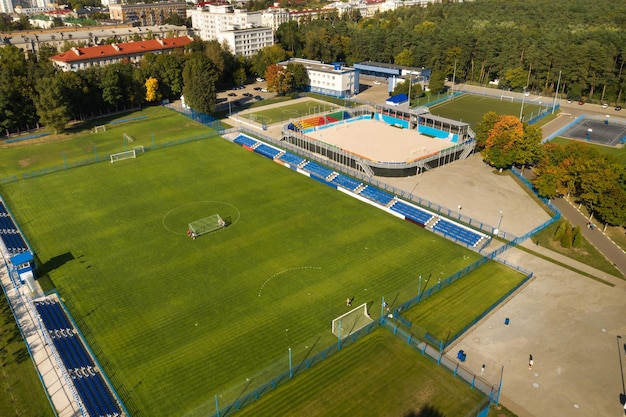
(267, 151)
(245, 141)
(457, 232)
(317, 170)
(377, 195)
(411, 212)
(292, 159)
(96, 396)
(346, 182)
(3, 209)
(6, 222)
(53, 316)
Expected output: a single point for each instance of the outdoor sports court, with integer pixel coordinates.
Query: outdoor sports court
(378, 141)
(608, 132)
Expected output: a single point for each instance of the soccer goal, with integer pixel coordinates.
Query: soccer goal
(101, 128)
(352, 321)
(138, 149)
(128, 138)
(120, 156)
(207, 225)
(507, 98)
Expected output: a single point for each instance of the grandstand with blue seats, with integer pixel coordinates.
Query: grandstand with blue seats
(457, 232)
(346, 182)
(412, 213)
(93, 391)
(376, 195)
(10, 234)
(291, 158)
(244, 140)
(317, 170)
(267, 151)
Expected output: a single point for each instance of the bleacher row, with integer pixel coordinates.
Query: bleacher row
(89, 384)
(11, 236)
(383, 198)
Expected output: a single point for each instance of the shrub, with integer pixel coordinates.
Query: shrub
(578, 237)
(566, 240)
(560, 231)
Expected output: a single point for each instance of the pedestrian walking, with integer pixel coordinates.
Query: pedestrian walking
(482, 370)
(530, 362)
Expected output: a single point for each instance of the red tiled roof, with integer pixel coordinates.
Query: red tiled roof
(121, 49)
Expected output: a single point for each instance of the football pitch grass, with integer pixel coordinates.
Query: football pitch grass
(181, 320)
(471, 108)
(289, 111)
(380, 375)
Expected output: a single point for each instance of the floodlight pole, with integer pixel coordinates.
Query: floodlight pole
(217, 407)
(419, 288)
(556, 93)
(521, 110)
(290, 368)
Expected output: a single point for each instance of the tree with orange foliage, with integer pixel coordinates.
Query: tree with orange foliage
(511, 142)
(279, 79)
(152, 89)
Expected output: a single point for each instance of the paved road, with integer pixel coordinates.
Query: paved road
(595, 236)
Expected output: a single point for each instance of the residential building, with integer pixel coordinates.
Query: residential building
(6, 6)
(147, 13)
(242, 30)
(333, 79)
(98, 56)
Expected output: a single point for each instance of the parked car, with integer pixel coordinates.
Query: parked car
(259, 98)
(257, 88)
(618, 108)
(247, 95)
(232, 94)
(259, 79)
(264, 90)
(569, 100)
(580, 103)
(237, 103)
(376, 82)
(604, 106)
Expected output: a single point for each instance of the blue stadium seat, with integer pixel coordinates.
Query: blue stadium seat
(85, 395)
(411, 212)
(245, 141)
(292, 159)
(376, 195)
(267, 151)
(346, 182)
(317, 170)
(457, 232)
(3, 209)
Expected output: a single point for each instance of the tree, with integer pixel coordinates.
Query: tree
(560, 231)
(404, 58)
(266, 57)
(483, 128)
(436, 82)
(51, 108)
(500, 145)
(152, 89)
(288, 35)
(566, 240)
(299, 75)
(278, 79)
(577, 239)
(515, 78)
(199, 78)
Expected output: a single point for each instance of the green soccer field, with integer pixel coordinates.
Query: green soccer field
(289, 111)
(470, 108)
(183, 320)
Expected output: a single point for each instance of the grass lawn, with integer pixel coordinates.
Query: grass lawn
(454, 307)
(380, 375)
(182, 320)
(586, 254)
(292, 110)
(159, 123)
(618, 152)
(22, 393)
(470, 108)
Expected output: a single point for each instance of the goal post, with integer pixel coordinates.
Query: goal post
(139, 149)
(351, 322)
(207, 225)
(101, 128)
(128, 138)
(120, 156)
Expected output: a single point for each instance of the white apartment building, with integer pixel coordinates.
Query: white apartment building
(6, 6)
(334, 79)
(242, 30)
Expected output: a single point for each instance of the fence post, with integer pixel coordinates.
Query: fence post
(217, 407)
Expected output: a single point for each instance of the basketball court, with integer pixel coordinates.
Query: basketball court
(378, 141)
(608, 132)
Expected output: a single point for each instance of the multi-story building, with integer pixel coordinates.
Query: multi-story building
(6, 6)
(147, 14)
(97, 56)
(333, 79)
(242, 30)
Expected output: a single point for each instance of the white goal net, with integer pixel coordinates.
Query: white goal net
(128, 138)
(123, 155)
(101, 128)
(138, 149)
(352, 321)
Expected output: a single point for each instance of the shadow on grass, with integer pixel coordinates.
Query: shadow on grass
(426, 411)
(54, 263)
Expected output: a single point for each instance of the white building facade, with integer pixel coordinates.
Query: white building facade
(6, 6)
(242, 30)
(334, 80)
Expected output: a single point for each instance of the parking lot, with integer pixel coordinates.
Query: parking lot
(233, 99)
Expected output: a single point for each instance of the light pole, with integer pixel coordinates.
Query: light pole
(521, 110)
(556, 93)
(499, 223)
(619, 352)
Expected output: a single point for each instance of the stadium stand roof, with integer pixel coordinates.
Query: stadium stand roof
(397, 99)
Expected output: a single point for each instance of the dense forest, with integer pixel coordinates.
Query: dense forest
(525, 44)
